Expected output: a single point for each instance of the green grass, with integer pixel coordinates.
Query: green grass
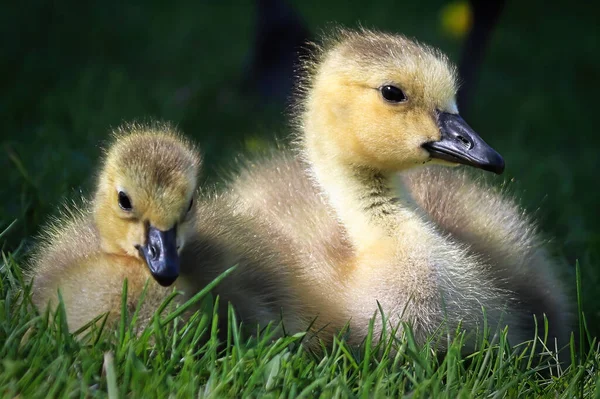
(187, 359)
(72, 71)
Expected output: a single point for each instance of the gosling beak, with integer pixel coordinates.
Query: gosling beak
(460, 144)
(160, 253)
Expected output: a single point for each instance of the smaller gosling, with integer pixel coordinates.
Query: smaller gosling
(134, 228)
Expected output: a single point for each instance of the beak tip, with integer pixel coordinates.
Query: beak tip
(164, 281)
(497, 170)
(497, 166)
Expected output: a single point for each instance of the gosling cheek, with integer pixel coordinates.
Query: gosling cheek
(180, 243)
(135, 239)
(183, 232)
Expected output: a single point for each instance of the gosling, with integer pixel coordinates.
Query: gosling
(351, 236)
(135, 227)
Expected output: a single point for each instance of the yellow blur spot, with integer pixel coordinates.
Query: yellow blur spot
(456, 18)
(256, 144)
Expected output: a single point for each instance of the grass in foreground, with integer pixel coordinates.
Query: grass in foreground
(40, 358)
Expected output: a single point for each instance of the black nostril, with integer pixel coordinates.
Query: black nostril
(153, 252)
(467, 143)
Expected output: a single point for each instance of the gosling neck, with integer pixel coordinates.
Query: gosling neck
(365, 200)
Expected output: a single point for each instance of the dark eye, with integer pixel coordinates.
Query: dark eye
(392, 94)
(124, 201)
(191, 203)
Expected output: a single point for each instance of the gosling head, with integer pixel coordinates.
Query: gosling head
(382, 101)
(145, 196)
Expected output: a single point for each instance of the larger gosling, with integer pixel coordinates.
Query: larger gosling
(353, 237)
(134, 228)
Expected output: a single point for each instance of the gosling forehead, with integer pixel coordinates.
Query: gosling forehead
(156, 168)
(373, 59)
(154, 158)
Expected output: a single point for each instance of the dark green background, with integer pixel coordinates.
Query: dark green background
(72, 70)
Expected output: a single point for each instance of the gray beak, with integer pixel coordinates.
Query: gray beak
(460, 144)
(160, 253)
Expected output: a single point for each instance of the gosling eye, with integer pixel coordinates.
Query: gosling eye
(124, 202)
(392, 94)
(191, 203)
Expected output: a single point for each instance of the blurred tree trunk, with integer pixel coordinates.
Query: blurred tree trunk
(279, 38)
(485, 17)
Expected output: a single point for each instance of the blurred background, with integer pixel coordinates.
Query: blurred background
(222, 72)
